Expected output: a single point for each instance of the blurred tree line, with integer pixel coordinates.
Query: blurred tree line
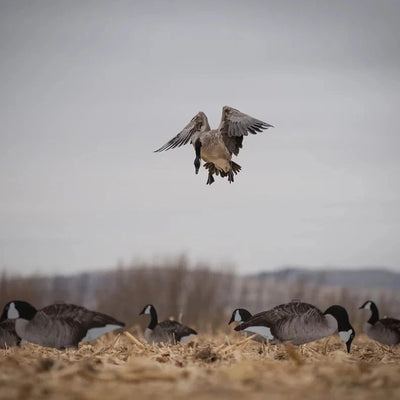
(196, 295)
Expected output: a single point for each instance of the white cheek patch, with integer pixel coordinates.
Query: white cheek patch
(238, 317)
(345, 335)
(147, 310)
(367, 306)
(186, 338)
(264, 331)
(94, 333)
(12, 312)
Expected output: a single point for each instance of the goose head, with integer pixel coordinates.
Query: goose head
(368, 305)
(18, 309)
(147, 309)
(239, 315)
(346, 331)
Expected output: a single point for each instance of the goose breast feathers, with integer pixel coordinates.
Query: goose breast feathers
(8, 336)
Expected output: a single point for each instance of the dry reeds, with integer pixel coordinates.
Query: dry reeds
(119, 367)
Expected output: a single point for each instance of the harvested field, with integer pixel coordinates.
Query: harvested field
(119, 367)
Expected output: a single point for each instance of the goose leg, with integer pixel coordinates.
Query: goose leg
(210, 179)
(230, 176)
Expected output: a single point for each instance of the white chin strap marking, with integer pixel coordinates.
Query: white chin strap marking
(12, 312)
(238, 318)
(345, 335)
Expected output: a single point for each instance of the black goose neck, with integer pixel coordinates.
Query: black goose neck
(374, 314)
(26, 310)
(245, 314)
(153, 318)
(341, 316)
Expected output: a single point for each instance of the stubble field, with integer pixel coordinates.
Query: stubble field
(210, 367)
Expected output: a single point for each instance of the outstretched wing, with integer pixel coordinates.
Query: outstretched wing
(235, 124)
(199, 123)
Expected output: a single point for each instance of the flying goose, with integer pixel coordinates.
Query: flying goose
(299, 323)
(8, 336)
(58, 325)
(216, 146)
(168, 332)
(385, 330)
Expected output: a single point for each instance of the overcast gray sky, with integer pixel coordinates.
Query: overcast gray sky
(90, 88)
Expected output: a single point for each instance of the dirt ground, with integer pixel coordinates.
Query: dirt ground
(210, 367)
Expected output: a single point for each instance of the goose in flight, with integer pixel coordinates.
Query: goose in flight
(216, 146)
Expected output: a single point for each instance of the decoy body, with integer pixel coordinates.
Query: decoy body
(385, 330)
(299, 323)
(167, 332)
(216, 146)
(8, 336)
(58, 325)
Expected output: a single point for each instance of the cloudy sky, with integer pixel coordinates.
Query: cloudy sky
(90, 88)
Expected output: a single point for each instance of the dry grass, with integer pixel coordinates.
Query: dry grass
(118, 367)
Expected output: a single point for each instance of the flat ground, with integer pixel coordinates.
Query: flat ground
(211, 367)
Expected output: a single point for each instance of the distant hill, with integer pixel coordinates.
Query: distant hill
(204, 296)
(346, 278)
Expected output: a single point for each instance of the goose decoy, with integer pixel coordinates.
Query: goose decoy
(58, 325)
(216, 146)
(299, 323)
(167, 332)
(8, 336)
(385, 330)
(239, 315)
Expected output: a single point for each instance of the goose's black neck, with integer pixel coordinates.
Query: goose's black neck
(197, 147)
(244, 314)
(153, 318)
(341, 316)
(374, 314)
(22, 308)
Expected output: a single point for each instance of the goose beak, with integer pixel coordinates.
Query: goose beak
(231, 320)
(348, 345)
(350, 341)
(197, 165)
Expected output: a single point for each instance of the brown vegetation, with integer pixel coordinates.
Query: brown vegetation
(217, 364)
(211, 367)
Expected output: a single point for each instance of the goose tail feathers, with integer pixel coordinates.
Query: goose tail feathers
(212, 169)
